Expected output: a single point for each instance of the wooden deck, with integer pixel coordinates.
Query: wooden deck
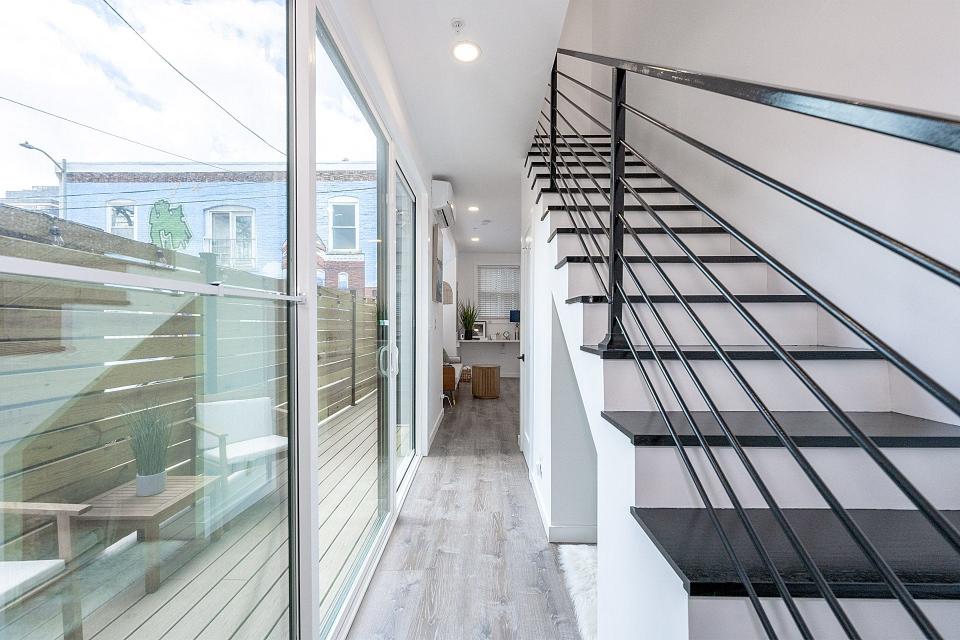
(237, 586)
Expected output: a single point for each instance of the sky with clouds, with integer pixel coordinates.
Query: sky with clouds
(78, 60)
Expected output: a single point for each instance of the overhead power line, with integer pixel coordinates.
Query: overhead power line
(191, 82)
(225, 200)
(112, 135)
(176, 186)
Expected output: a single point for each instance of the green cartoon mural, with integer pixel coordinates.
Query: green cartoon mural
(168, 227)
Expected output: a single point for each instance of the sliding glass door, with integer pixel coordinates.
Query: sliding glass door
(406, 298)
(353, 339)
(161, 438)
(144, 301)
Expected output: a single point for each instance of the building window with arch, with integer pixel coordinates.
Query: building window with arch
(343, 280)
(231, 235)
(122, 218)
(343, 213)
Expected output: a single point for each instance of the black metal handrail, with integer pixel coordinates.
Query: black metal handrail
(931, 129)
(937, 130)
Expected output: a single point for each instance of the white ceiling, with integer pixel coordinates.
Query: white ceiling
(474, 122)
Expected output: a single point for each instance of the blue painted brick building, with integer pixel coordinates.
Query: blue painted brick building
(237, 211)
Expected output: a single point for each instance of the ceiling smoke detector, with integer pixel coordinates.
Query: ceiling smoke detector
(464, 50)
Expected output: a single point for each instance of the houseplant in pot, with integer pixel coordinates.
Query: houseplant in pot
(467, 313)
(149, 439)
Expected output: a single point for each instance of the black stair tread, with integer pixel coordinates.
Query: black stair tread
(573, 135)
(806, 428)
(739, 352)
(629, 208)
(700, 298)
(663, 260)
(639, 230)
(565, 190)
(590, 162)
(920, 557)
(599, 176)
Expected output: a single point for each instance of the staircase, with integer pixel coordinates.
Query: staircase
(754, 479)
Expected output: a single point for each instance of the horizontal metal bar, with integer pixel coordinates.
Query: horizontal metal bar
(919, 258)
(936, 130)
(41, 269)
(585, 86)
(583, 111)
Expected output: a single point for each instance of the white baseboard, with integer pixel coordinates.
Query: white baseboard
(434, 430)
(539, 500)
(573, 533)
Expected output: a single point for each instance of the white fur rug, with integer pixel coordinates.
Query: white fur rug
(579, 564)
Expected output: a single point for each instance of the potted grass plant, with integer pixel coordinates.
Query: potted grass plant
(149, 439)
(467, 313)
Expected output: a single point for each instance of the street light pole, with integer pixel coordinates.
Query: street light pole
(62, 168)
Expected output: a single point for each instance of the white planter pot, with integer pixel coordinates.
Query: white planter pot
(151, 485)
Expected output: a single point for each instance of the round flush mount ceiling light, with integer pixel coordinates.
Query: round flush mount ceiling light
(473, 208)
(464, 50)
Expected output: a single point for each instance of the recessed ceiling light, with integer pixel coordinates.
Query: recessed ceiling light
(473, 208)
(466, 51)
(474, 239)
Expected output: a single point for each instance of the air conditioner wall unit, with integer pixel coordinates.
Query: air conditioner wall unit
(441, 201)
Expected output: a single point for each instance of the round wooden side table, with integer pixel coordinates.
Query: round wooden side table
(486, 381)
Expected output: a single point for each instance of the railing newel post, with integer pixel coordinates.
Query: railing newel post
(615, 339)
(553, 126)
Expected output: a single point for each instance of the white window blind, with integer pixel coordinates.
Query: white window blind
(498, 290)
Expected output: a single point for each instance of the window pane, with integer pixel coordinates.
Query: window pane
(221, 225)
(498, 290)
(406, 291)
(134, 129)
(344, 215)
(344, 239)
(101, 385)
(244, 227)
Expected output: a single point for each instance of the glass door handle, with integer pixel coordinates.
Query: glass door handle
(522, 357)
(381, 364)
(394, 360)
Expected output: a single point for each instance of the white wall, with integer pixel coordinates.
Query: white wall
(866, 49)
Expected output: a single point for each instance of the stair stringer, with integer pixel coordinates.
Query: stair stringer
(639, 594)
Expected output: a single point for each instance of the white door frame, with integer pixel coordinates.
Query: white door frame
(526, 343)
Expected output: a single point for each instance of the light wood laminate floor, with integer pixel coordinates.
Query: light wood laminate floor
(468, 557)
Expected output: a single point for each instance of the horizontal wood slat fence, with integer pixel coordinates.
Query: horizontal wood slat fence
(76, 361)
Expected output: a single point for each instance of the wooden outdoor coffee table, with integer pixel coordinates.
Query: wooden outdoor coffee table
(145, 513)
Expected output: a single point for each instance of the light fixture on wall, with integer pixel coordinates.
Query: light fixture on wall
(474, 239)
(473, 208)
(464, 50)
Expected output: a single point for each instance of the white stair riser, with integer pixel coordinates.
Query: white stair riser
(856, 385)
(712, 244)
(636, 219)
(662, 480)
(877, 619)
(790, 323)
(739, 278)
